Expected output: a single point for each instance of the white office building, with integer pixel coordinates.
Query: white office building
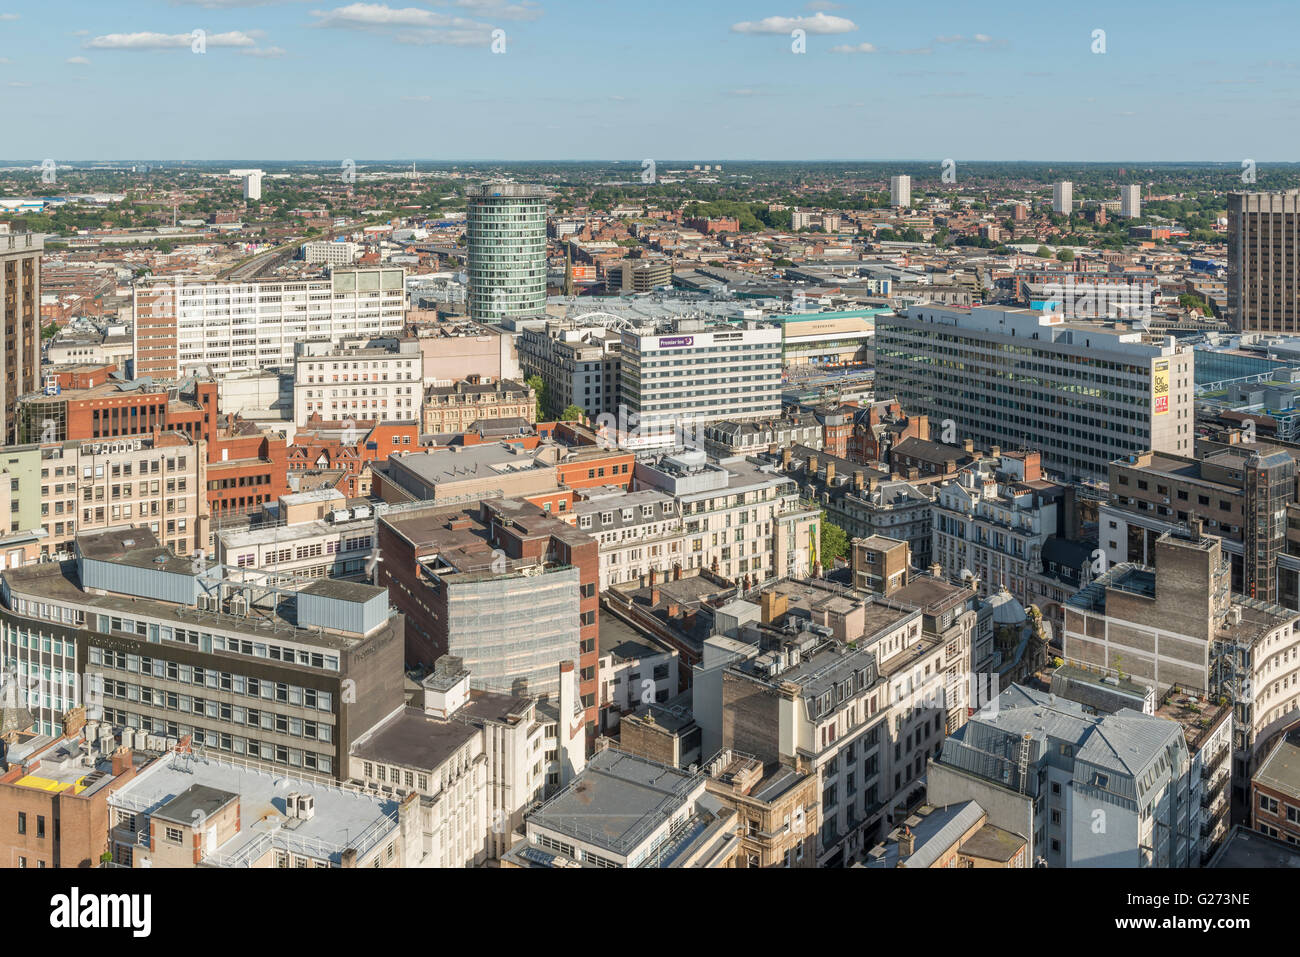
(1083, 393)
(334, 253)
(228, 326)
(1063, 198)
(358, 380)
(1130, 201)
(900, 191)
(681, 374)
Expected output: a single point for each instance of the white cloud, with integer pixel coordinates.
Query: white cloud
(263, 52)
(854, 48)
(819, 24)
(414, 26)
(418, 99)
(823, 5)
(503, 9)
(9, 16)
(81, 60)
(166, 41)
(19, 83)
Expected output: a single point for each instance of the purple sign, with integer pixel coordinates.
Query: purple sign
(673, 342)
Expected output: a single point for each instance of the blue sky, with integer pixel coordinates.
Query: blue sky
(610, 79)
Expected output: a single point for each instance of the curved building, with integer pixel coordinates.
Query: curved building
(507, 251)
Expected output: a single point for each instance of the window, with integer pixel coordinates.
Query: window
(175, 835)
(22, 822)
(40, 825)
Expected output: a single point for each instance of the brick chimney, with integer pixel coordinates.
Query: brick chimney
(812, 464)
(906, 843)
(785, 460)
(830, 472)
(121, 760)
(858, 478)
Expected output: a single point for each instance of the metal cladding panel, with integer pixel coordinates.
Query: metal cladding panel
(152, 583)
(341, 614)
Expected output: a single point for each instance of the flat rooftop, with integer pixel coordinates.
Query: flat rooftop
(343, 818)
(617, 801)
(1281, 769)
(1245, 848)
(414, 739)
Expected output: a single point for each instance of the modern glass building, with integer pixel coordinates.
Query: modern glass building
(507, 251)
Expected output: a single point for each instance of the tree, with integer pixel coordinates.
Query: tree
(1065, 256)
(538, 386)
(573, 413)
(1043, 253)
(834, 543)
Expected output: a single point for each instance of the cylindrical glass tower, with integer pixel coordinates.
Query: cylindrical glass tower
(507, 251)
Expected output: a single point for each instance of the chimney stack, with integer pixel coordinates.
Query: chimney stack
(830, 472)
(677, 572)
(968, 445)
(812, 465)
(121, 760)
(906, 843)
(936, 570)
(858, 478)
(785, 459)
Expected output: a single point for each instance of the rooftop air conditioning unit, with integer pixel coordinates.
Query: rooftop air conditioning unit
(306, 807)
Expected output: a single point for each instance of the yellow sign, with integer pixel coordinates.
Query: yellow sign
(1160, 388)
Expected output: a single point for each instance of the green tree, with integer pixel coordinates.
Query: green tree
(538, 386)
(834, 542)
(1065, 256)
(572, 413)
(1043, 253)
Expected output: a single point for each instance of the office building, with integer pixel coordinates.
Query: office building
(857, 690)
(228, 326)
(252, 184)
(1275, 792)
(184, 811)
(742, 521)
(958, 835)
(476, 760)
(507, 251)
(1063, 198)
(267, 668)
(20, 324)
(580, 365)
(455, 408)
(1130, 201)
(628, 811)
(304, 534)
(684, 373)
(359, 380)
(1263, 274)
(1085, 790)
(504, 587)
(1180, 624)
(334, 253)
(1081, 393)
(776, 806)
(1243, 492)
(900, 191)
(993, 520)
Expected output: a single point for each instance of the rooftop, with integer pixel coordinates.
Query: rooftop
(343, 819)
(617, 801)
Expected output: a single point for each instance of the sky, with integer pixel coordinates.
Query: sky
(706, 80)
